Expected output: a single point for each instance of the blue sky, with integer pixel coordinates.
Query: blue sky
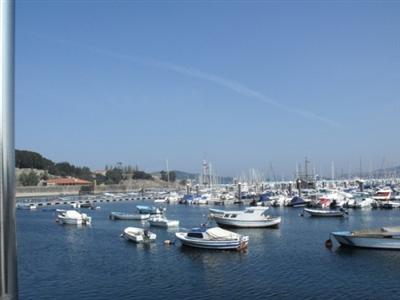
(241, 83)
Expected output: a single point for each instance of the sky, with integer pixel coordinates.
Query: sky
(243, 84)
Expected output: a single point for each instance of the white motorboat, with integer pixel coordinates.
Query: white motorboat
(26, 206)
(325, 212)
(250, 217)
(138, 235)
(213, 238)
(72, 217)
(383, 238)
(124, 216)
(160, 221)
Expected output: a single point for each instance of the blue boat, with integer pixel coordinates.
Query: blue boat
(297, 202)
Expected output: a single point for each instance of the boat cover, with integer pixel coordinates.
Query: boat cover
(219, 233)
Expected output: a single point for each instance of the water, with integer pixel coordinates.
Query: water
(65, 262)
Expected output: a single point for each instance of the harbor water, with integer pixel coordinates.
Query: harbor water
(94, 262)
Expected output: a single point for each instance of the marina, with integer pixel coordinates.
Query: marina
(272, 259)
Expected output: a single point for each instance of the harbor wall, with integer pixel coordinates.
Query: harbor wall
(37, 191)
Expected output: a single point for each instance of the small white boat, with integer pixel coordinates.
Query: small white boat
(383, 238)
(72, 217)
(325, 212)
(160, 221)
(213, 238)
(124, 216)
(250, 217)
(138, 235)
(26, 206)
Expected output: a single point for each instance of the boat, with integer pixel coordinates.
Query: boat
(72, 217)
(383, 238)
(138, 235)
(26, 206)
(297, 202)
(160, 221)
(250, 217)
(213, 238)
(384, 194)
(325, 212)
(152, 210)
(124, 216)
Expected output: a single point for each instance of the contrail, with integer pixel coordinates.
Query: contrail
(194, 73)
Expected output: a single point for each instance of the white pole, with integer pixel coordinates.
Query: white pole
(8, 249)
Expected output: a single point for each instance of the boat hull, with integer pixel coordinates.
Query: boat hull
(122, 216)
(324, 213)
(207, 244)
(165, 224)
(347, 239)
(273, 222)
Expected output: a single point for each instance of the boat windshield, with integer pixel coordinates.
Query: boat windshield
(195, 235)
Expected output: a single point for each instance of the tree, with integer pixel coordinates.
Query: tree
(44, 176)
(114, 176)
(170, 175)
(29, 179)
(183, 182)
(141, 175)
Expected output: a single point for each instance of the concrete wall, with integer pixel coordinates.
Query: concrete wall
(33, 191)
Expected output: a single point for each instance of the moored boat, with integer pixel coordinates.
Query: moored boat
(325, 212)
(160, 221)
(124, 216)
(153, 210)
(138, 235)
(213, 238)
(250, 217)
(26, 206)
(72, 217)
(383, 238)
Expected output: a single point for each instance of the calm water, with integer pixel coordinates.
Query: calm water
(65, 262)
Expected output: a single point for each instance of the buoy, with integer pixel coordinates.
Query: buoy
(167, 242)
(328, 243)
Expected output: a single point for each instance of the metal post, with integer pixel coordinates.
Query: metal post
(8, 251)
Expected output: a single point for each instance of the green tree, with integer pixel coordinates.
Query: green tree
(141, 175)
(168, 175)
(29, 179)
(114, 176)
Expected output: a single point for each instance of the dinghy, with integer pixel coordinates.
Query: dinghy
(138, 235)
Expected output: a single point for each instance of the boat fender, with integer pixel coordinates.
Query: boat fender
(328, 243)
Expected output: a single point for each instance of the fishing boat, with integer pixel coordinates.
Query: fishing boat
(160, 221)
(152, 210)
(72, 217)
(124, 216)
(383, 238)
(213, 238)
(26, 206)
(325, 212)
(250, 217)
(138, 235)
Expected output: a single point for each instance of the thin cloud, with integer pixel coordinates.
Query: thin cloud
(232, 85)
